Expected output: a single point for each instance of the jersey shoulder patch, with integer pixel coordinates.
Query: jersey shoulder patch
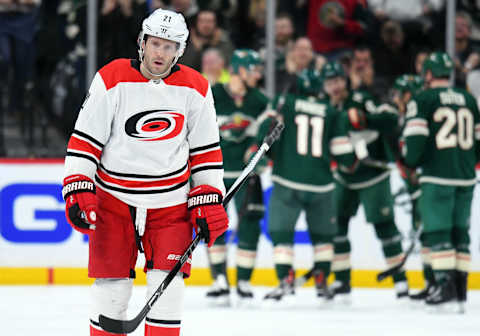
(188, 77)
(118, 71)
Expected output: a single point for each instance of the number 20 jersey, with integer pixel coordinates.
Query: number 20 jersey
(442, 134)
(142, 140)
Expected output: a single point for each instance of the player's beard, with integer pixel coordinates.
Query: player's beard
(158, 70)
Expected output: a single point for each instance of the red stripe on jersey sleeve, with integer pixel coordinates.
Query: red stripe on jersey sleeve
(143, 184)
(214, 156)
(118, 71)
(189, 78)
(83, 146)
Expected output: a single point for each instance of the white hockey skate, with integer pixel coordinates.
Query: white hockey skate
(219, 293)
(245, 295)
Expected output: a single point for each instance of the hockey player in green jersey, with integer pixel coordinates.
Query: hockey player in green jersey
(302, 180)
(238, 104)
(442, 135)
(359, 148)
(404, 89)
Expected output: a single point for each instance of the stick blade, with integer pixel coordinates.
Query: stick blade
(118, 326)
(303, 279)
(385, 274)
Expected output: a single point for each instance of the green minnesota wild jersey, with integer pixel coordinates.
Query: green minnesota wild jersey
(237, 125)
(301, 158)
(442, 133)
(345, 143)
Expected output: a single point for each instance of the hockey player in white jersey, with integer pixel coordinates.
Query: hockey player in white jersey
(145, 129)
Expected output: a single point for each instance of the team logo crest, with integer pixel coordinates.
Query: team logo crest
(154, 125)
(234, 127)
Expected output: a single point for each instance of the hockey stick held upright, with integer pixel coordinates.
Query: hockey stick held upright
(127, 326)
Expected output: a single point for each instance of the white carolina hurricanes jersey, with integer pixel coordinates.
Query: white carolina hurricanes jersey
(142, 139)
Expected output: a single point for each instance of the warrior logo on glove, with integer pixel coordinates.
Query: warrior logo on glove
(204, 199)
(207, 213)
(81, 203)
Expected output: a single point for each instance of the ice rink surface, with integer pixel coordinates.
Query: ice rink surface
(63, 311)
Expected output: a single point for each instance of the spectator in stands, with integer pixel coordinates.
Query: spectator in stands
(257, 14)
(467, 52)
(472, 7)
(361, 73)
(393, 57)
(67, 94)
(225, 10)
(114, 42)
(283, 39)
(283, 34)
(405, 10)
(18, 27)
(361, 68)
(188, 8)
(213, 67)
(420, 57)
(298, 11)
(203, 35)
(335, 26)
(416, 17)
(300, 57)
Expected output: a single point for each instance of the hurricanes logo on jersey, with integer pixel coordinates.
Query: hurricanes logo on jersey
(154, 125)
(234, 127)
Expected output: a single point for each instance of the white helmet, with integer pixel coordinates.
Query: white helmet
(165, 24)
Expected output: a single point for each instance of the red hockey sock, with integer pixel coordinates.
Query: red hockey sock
(166, 330)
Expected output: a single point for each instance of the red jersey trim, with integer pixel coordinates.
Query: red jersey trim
(83, 146)
(213, 156)
(120, 71)
(188, 77)
(143, 184)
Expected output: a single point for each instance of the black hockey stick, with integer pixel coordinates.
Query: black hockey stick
(395, 269)
(297, 282)
(128, 326)
(300, 281)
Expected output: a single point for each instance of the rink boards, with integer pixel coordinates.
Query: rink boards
(37, 246)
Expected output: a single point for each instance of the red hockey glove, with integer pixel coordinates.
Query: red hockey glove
(81, 203)
(207, 212)
(357, 118)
